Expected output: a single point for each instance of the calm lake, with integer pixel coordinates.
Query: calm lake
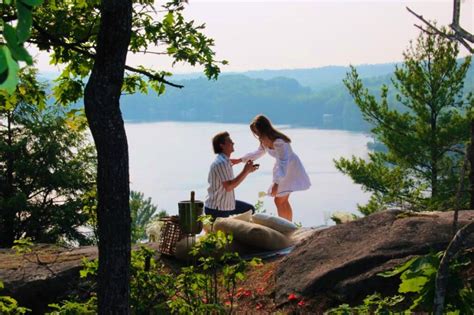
(169, 159)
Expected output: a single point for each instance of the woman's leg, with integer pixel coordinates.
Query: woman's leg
(284, 207)
(289, 209)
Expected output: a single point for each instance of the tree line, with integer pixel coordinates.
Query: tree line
(236, 97)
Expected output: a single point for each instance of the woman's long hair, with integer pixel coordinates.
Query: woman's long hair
(261, 125)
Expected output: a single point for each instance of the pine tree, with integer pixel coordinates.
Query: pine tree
(425, 141)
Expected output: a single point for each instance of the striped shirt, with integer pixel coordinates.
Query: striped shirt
(218, 198)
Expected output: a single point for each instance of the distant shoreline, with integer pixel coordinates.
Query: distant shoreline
(281, 126)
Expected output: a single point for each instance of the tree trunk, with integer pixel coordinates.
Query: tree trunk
(456, 244)
(460, 190)
(101, 100)
(7, 215)
(471, 161)
(434, 153)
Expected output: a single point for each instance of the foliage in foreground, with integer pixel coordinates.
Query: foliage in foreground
(207, 286)
(417, 287)
(9, 306)
(12, 49)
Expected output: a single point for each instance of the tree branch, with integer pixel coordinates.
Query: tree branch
(456, 11)
(153, 76)
(460, 189)
(151, 52)
(460, 34)
(82, 50)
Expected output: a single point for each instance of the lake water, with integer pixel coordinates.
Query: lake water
(169, 159)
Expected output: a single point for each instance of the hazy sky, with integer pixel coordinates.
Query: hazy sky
(306, 34)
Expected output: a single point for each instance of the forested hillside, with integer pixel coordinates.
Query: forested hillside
(304, 97)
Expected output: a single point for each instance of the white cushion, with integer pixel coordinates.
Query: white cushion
(281, 225)
(252, 234)
(246, 216)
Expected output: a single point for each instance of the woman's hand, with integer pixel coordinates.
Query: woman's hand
(274, 189)
(235, 161)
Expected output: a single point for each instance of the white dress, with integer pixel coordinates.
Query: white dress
(288, 171)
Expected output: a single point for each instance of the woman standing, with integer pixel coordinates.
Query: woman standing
(289, 174)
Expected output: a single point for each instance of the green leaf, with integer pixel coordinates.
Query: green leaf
(171, 50)
(3, 64)
(9, 34)
(412, 285)
(169, 19)
(32, 3)
(18, 52)
(161, 89)
(398, 269)
(25, 21)
(81, 3)
(11, 80)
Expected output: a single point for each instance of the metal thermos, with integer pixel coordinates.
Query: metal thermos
(189, 212)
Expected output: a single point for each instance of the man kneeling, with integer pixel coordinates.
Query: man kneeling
(221, 201)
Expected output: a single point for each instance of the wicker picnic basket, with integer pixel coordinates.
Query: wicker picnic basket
(171, 233)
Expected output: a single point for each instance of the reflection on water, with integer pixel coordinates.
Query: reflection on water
(169, 159)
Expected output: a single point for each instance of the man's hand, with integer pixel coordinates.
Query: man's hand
(250, 167)
(274, 190)
(235, 161)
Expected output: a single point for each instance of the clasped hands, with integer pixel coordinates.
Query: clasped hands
(249, 166)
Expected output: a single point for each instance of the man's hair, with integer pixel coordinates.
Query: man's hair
(219, 139)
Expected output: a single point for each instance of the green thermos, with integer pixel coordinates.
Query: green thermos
(189, 212)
